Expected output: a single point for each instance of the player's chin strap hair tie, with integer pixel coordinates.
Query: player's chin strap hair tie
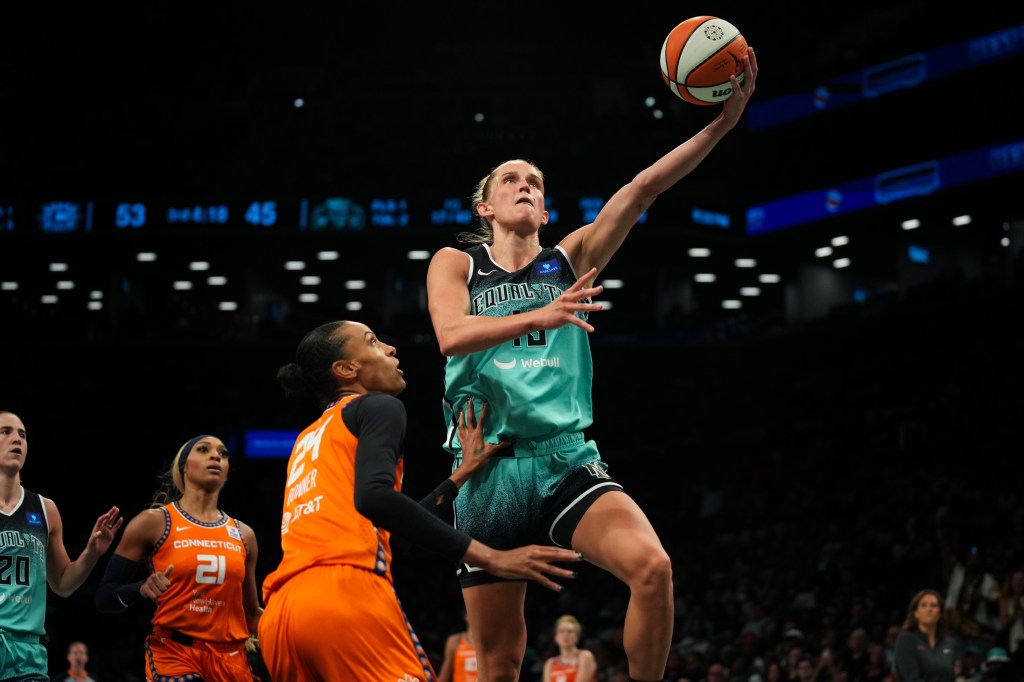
(187, 448)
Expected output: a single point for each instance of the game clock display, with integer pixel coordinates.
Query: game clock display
(214, 216)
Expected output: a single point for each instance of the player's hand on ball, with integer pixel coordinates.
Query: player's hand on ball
(733, 107)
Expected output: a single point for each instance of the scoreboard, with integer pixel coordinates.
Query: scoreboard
(265, 214)
(69, 215)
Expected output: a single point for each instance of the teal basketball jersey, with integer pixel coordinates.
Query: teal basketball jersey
(24, 533)
(539, 385)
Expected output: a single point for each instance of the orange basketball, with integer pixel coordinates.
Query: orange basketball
(698, 57)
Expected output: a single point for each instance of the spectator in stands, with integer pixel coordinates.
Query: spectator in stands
(996, 666)
(853, 658)
(925, 649)
(571, 662)
(968, 668)
(972, 592)
(716, 673)
(1011, 611)
(78, 658)
(804, 670)
(878, 668)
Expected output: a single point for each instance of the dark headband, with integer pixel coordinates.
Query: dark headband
(187, 449)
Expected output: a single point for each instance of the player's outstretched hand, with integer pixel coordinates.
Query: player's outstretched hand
(532, 562)
(536, 562)
(733, 107)
(104, 530)
(575, 299)
(475, 450)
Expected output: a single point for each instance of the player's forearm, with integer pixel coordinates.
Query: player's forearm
(252, 621)
(440, 499)
(400, 514)
(681, 161)
(472, 333)
(118, 590)
(75, 573)
(461, 475)
(478, 554)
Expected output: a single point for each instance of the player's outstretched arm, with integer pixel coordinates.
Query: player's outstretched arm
(63, 575)
(459, 332)
(593, 245)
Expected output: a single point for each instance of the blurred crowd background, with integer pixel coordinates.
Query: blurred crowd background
(807, 483)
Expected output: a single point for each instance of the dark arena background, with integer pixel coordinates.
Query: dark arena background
(809, 369)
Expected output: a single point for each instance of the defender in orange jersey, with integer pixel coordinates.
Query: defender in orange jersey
(202, 573)
(459, 664)
(343, 500)
(572, 664)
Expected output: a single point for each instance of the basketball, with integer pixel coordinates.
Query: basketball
(698, 57)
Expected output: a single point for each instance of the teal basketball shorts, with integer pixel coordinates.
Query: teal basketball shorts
(23, 657)
(537, 496)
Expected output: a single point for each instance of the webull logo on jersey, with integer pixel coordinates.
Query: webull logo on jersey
(528, 363)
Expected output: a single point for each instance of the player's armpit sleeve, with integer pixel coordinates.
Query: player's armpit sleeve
(379, 423)
(439, 500)
(116, 592)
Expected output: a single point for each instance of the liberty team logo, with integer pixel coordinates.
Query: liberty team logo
(596, 470)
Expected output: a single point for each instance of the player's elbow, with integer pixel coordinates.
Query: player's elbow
(449, 343)
(645, 188)
(364, 504)
(62, 591)
(447, 349)
(370, 501)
